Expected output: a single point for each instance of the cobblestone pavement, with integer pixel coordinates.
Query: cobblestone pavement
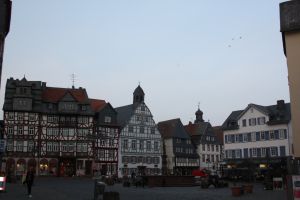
(82, 189)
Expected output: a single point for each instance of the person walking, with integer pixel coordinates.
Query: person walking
(29, 181)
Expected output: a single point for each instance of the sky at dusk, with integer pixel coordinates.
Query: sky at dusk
(223, 54)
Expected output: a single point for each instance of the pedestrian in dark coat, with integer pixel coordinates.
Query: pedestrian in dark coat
(29, 181)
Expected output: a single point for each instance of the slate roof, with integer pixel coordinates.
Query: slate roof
(219, 133)
(124, 114)
(277, 115)
(172, 129)
(54, 94)
(139, 90)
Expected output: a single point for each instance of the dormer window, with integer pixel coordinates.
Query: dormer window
(107, 119)
(83, 107)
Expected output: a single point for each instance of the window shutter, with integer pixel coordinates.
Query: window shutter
(250, 124)
(285, 134)
(257, 136)
(246, 153)
(276, 134)
(226, 138)
(282, 151)
(258, 152)
(267, 136)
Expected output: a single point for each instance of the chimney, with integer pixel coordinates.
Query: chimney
(43, 84)
(280, 105)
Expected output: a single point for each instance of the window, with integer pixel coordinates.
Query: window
(244, 122)
(188, 141)
(11, 116)
(141, 129)
(49, 146)
(52, 118)
(71, 147)
(263, 152)
(20, 130)
(274, 151)
(141, 145)
(262, 135)
(156, 146)
(261, 120)
(20, 145)
(212, 147)
(208, 147)
(130, 129)
(55, 146)
(107, 119)
(133, 144)
(10, 145)
(178, 140)
(281, 134)
(64, 147)
(253, 137)
(212, 158)
(203, 158)
(30, 146)
(203, 147)
(272, 135)
(254, 152)
(111, 154)
(152, 130)
(217, 148)
(82, 132)
(245, 137)
(10, 130)
(125, 144)
(31, 130)
(83, 107)
(32, 117)
(252, 121)
(148, 146)
(20, 116)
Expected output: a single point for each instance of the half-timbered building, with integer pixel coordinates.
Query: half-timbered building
(180, 153)
(106, 131)
(140, 141)
(50, 129)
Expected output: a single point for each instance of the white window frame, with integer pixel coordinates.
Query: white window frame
(20, 146)
(31, 130)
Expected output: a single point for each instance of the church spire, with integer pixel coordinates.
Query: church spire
(138, 95)
(199, 115)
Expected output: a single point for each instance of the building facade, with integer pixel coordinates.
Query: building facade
(49, 129)
(140, 141)
(106, 131)
(181, 155)
(290, 28)
(204, 138)
(259, 135)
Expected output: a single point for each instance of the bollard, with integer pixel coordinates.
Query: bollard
(99, 188)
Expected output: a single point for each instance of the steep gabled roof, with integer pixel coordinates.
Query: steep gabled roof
(197, 128)
(54, 95)
(278, 114)
(172, 129)
(97, 104)
(124, 114)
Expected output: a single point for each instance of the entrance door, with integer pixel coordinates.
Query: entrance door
(88, 167)
(67, 167)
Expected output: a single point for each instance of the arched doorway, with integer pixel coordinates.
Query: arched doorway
(53, 167)
(21, 167)
(43, 167)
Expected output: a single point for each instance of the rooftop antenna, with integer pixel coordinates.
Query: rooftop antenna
(73, 78)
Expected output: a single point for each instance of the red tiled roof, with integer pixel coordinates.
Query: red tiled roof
(51, 94)
(192, 129)
(97, 104)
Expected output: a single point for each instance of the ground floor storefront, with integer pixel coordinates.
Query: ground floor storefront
(255, 169)
(62, 166)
